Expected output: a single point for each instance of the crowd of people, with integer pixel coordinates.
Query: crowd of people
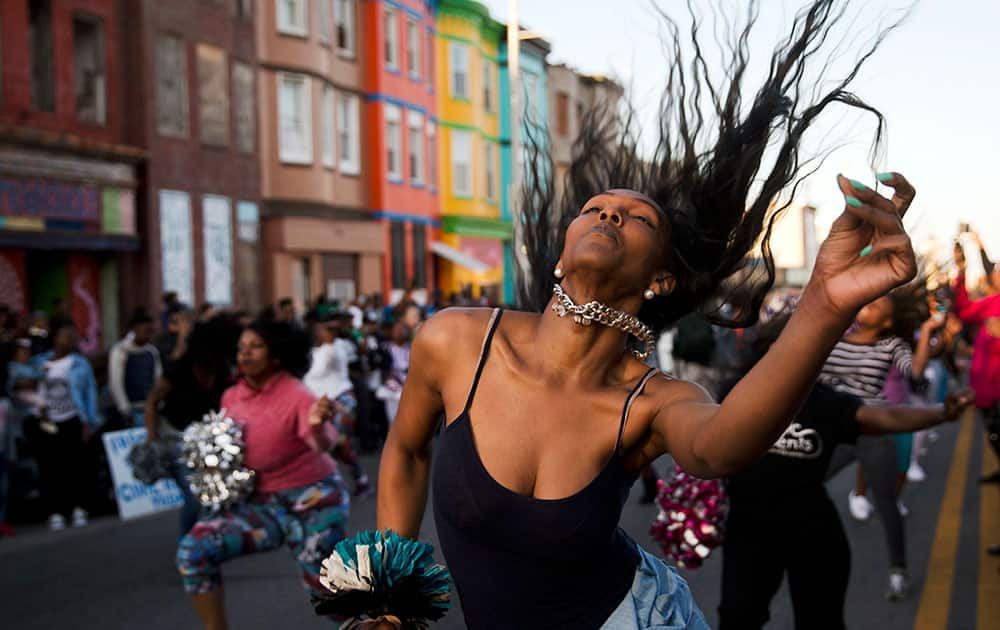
(167, 371)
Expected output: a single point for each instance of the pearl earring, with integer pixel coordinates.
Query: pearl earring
(558, 272)
(649, 294)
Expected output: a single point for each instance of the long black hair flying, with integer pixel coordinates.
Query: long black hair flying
(707, 170)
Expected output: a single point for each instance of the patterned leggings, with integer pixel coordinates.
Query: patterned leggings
(310, 520)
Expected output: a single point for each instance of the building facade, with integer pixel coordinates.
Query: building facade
(570, 96)
(470, 253)
(534, 128)
(192, 103)
(68, 173)
(401, 110)
(319, 235)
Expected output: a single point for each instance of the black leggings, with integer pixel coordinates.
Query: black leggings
(991, 422)
(63, 468)
(800, 535)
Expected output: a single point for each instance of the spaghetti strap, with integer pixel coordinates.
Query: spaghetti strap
(628, 404)
(487, 341)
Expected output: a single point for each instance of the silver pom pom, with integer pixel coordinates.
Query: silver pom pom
(213, 452)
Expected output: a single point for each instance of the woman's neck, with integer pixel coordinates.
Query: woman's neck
(258, 382)
(865, 335)
(585, 354)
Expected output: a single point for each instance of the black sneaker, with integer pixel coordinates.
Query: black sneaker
(994, 478)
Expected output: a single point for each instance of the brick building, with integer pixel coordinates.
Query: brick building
(192, 102)
(68, 170)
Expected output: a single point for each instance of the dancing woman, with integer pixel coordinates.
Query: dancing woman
(550, 415)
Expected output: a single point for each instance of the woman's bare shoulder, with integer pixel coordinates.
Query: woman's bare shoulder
(456, 331)
(667, 390)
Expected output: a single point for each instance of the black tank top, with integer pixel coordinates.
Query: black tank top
(523, 563)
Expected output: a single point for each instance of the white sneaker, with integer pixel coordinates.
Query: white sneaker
(903, 510)
(859, 506)
(899, 585)
(916, 473)
(57, 523)
(79, 517)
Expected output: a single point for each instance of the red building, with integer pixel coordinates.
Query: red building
(68, 171)
(400, 104)
(191, 68)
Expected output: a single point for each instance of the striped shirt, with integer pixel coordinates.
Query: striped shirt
(861, 369)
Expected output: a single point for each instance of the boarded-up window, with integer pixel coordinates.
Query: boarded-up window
(397, 243)
(42, 62)
(213, 95)
(419, 256)
(562, 114)
(171, 86)
(88, 69)
(244, 106)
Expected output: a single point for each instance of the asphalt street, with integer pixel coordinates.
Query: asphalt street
(116, 574)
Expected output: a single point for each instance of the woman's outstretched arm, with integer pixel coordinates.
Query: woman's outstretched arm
(406, 457)
(711, 440)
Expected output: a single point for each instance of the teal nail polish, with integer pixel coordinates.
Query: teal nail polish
(858, 185)
(853, 201)
(867, 250)
(884, 177)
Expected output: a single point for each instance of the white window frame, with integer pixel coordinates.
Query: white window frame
(432, 160)
(413, 48)
(394, 141)
(390, 52)
(324, 15)
(489, 94)
(465, 147)
(349, 132)
(285, 28)
(458, 63)
(285, 153)
(344, 12)
(490, 170)
(415, 147)
(328, 128)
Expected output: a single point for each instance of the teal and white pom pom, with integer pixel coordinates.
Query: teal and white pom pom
(376, 574)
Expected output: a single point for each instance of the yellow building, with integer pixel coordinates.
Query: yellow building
(473, 230)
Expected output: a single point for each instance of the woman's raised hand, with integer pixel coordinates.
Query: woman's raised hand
(867, 252)
(320, 412)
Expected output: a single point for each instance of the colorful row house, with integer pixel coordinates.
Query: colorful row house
(474, 229)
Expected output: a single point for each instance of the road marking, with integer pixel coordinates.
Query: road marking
(988, 600)
(935, 600)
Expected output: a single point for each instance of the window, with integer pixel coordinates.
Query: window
(217, 227)
(393, 142)
(432, 153)
(430, 59)
(244, 106)
(344, 17)
(171, 86)
(293, 17)
(213, 95)
(413, 49)
(562, 113)
(176, 244)
(349, 133)
(419, 256)
(487, 85)
(325, 20)
(329, 150)
(491, 171)
(244, 8)
(458, 77)
(397, 242)
(461, 163)
(391, 40)
(294, 118)
(415, 146)
(42, 62)
(88, 69)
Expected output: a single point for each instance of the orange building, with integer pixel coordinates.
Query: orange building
(400, 106)
(319, 236)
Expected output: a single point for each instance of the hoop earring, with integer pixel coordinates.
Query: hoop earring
(649, 294)
(558, 272)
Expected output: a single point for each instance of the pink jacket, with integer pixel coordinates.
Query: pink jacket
(984, 376)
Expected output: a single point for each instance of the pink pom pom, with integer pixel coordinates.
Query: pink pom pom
(692, 518)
